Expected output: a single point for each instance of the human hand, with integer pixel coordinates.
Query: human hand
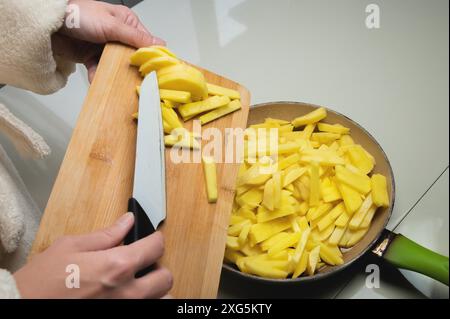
(100, 23)
(106, 269)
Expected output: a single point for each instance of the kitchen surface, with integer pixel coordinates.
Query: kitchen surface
(393, 80)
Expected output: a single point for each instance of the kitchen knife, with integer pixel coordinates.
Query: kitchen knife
(148, 203)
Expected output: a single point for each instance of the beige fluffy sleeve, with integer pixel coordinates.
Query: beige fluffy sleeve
(8, 288)
(26, 57)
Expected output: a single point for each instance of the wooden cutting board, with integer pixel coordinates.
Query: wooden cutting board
(96, 177)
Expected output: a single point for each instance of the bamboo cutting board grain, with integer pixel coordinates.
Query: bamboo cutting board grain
(96, 177)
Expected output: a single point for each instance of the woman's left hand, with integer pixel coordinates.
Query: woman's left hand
(99, 23)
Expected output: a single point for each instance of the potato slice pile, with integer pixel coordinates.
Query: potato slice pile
(184, 93)
(294, 215)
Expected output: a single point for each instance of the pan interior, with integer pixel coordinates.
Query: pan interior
(290, 110)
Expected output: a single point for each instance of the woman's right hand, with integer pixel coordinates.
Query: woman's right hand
(106, 269)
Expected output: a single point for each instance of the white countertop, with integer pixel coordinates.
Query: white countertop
(393, 81)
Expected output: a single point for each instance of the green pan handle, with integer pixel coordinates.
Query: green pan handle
(405, 253)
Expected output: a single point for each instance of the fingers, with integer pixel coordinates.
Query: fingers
(91, 66)
(129, 35)
(144, 252)
(154, 285)
(123, 262)
(128, 17)
(75, 50)
(107, 238)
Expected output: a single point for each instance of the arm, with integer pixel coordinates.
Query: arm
(38, 48)
(26, 57)
(24, 137)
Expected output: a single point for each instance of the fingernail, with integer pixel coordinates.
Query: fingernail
(158, 41)
(125, 219)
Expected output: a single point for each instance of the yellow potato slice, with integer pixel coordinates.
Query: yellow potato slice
(325, 233)
(165, 50)
(170, 104)
(379, 190)
(232, 255)
(325, 137)
(301, 265)
(330, 218)
(321, 210)
(255, 175)
(343, 220)
(184, 81)
(368, 218)
(346, 140)
(310, 118)
(221, 111)
(268, 243)
(288, 161)
(234, 219)
(276, 190)
(175, 96)
(242, 238)
(182, 68)
(250, 250)
(232, 243)
(265, 215)
(235, 230)
(307, 131)
(171, 117)
(290, 241)
(333, 128)
(264, 269)
(250, 199)
(336, 236)
(299, 249)
(262, 231)
(359, 182)
(314, 196)
(313, 260)
(219, 90)
(192, 109)
(303, 209)
(143, 55)
(331, 254)
(188, 141)
(268, 198)
(209, 169)
(156, 64)
(359, 216)
(361, 158)
(330, 192)
(293, 174)
(352, 199)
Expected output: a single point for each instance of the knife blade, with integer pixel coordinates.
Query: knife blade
(148, 203)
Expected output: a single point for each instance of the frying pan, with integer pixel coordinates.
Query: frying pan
(395, 248)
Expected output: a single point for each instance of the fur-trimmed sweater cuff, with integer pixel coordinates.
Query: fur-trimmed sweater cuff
(8, 288)
(26, 57)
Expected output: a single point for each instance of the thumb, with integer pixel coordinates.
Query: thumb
(132, 36)
(106, 238)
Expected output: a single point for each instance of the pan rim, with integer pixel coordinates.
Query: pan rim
(334, 269)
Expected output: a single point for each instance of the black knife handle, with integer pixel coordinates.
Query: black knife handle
(142, 228)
